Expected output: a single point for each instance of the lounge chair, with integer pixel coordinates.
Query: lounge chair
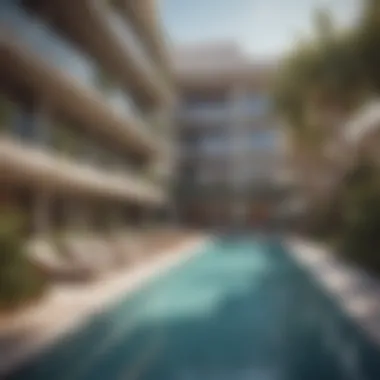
(80, 252)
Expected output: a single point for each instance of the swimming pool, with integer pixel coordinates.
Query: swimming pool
(239, 310)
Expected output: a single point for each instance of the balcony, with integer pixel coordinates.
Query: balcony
(144, 37)
(31, 39)
(118, 45)
(41, 39)
(29, 145)
(39, 168)
(135, 46)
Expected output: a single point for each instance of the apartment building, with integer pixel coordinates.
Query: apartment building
(85, 106)
(231, 150)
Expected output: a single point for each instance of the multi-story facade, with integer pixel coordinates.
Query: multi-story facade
(231, 149)
(84, 112)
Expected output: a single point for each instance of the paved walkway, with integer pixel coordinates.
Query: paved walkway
(66, 307)
(355, 290)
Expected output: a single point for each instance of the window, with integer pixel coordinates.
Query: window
(256, 104)
(214, 143)
(263, 139)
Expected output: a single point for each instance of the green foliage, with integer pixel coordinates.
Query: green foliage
(351, 220)
(334, 73)
(325, 223)
(361, 216)
(6, 108)
(368, 42)
(19, 280)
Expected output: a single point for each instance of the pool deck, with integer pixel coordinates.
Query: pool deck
(356, 292)
(25, 334)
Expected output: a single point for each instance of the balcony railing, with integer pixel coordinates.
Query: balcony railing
(205, 112)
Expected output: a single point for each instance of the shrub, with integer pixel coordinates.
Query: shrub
(325, 221)
(360, 237)
(19, 279)
(351, 221)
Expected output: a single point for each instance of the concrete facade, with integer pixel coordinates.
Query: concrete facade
(231, 149)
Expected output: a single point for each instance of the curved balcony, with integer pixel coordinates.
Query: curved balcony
(145, 15)
(42, 169)
(123, 29)
(58, 52)
(115, 44)
(69, 77)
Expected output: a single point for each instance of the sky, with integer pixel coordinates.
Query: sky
(263, 28)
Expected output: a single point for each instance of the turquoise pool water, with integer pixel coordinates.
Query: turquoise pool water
(239, 310)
